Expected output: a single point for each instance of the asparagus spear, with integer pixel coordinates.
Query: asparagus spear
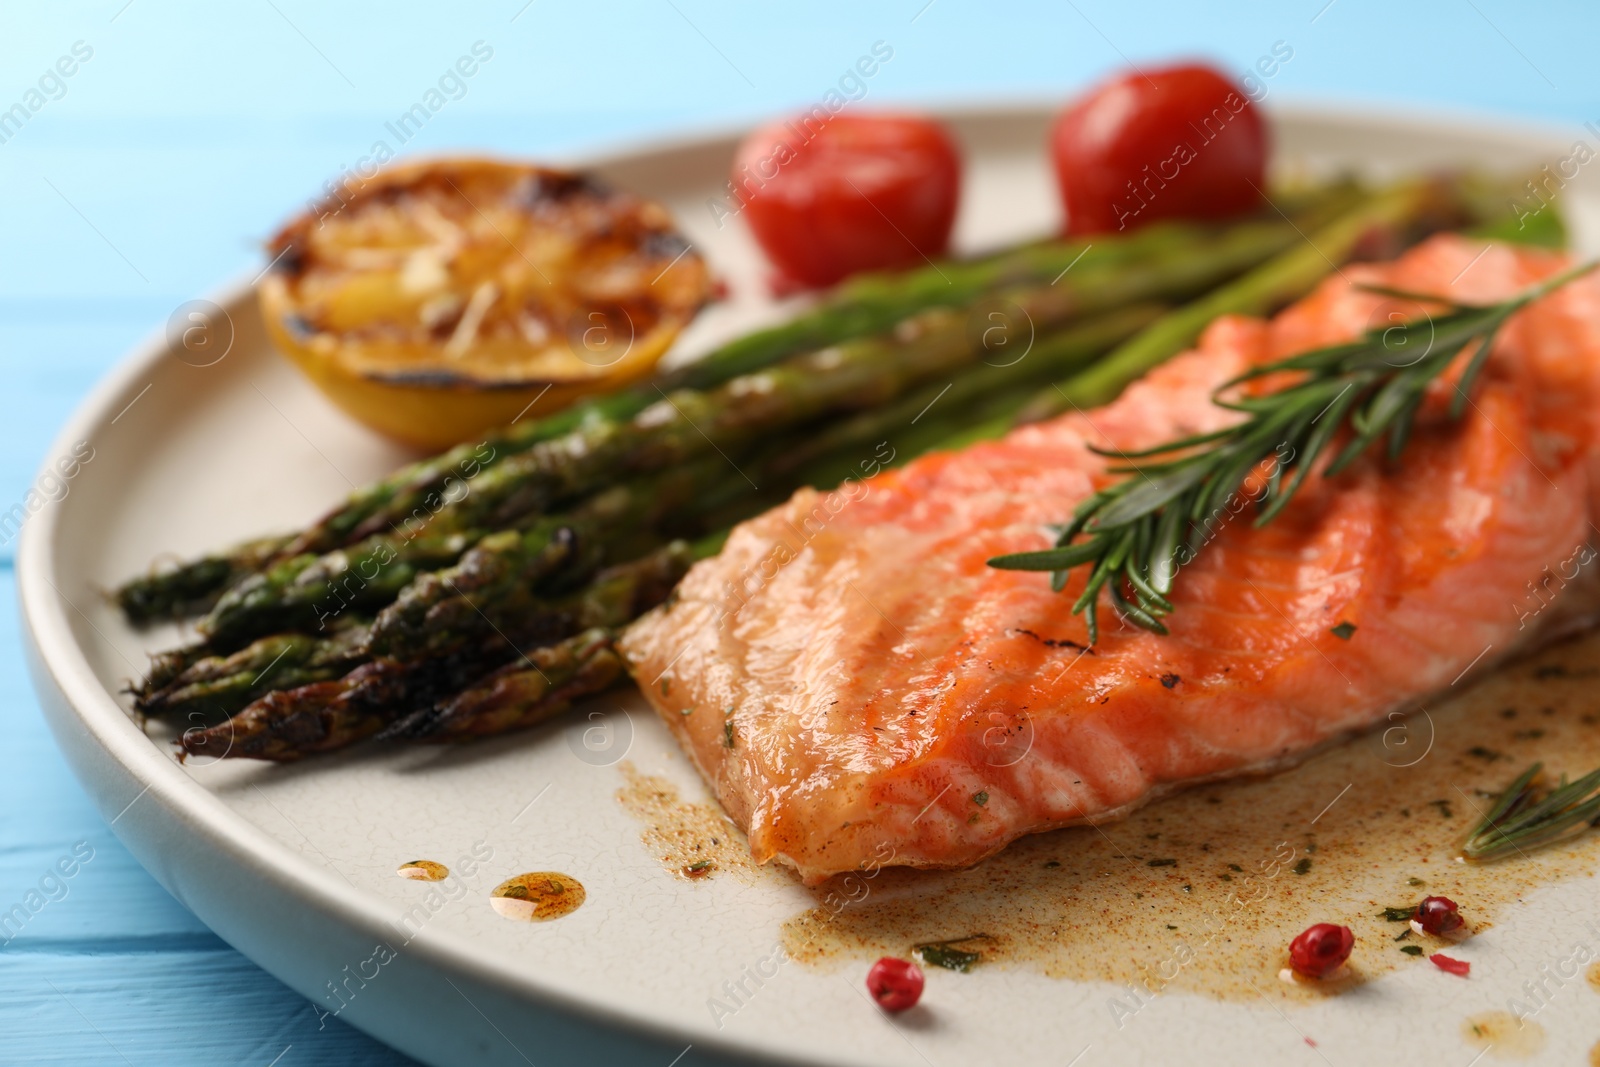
(833, 452)
(519, 695)
(1395, 216)
(291, 723)
(493, 585)
(288, 724)
(165, 667)
(217, 686)
(304, 592)
(873, 303)
(525, 693)
(193, 587)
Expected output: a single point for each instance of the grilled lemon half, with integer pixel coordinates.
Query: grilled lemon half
(440, 298)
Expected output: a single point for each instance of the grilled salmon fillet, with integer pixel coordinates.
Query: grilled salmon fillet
(860, 688)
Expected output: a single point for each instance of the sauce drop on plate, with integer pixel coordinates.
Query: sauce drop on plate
(693, 840)
(537, 896)
(423, 871)
(1504, 1035)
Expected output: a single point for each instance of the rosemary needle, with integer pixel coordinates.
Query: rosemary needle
(1137, 532)
(1518, 822)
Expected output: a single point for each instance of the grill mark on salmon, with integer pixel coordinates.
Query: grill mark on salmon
(872, 676)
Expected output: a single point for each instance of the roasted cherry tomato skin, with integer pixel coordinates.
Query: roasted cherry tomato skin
(1179, 142)
(826, 199)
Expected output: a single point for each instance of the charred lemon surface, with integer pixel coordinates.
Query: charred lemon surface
(444, 297)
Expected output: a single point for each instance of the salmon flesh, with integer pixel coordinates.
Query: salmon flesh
(861, 689)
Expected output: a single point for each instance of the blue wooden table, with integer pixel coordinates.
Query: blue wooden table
(162, 140)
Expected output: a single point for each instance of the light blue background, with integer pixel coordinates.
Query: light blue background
(195, 128)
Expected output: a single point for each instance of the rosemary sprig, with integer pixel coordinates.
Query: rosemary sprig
(1519, 822)
(1137, 532)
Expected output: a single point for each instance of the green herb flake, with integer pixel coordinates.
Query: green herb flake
(1053, 863)
(949, 954)
(1399, 915)
(980, 798)
(1235, 868)
(1411, 950)
(1415, 881)
(1303, 867)
(666, 687)
(1162, 863)
(727, 733)
(1343, 631)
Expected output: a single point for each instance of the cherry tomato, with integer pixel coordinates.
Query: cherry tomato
(1181, 142)
(827, 198)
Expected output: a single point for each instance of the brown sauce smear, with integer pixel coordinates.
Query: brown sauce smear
(695, 841)
(423, 871)
(1203, 891)
(1504, 1035)
(537, 896)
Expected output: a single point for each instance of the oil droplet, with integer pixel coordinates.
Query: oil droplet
(538, 896)
(1504, 1035)
(423, 871)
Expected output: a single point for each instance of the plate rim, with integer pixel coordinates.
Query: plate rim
(91, 727)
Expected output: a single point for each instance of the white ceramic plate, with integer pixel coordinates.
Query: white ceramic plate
(295, 866)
